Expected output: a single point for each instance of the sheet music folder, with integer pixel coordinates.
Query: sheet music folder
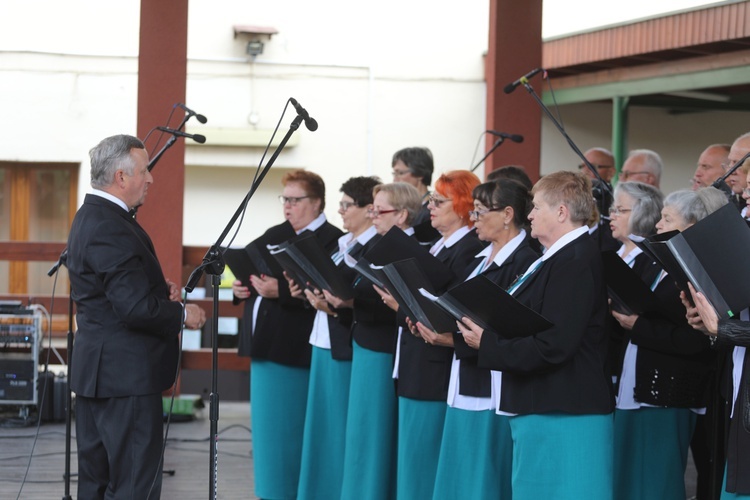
(307, 251)
(255, 258)
(491, 307)
(396, 245)
(406, 278)
(709, 253)
(656, 248)
(629, 294)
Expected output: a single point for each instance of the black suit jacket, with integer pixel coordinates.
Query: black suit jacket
(424, 369)
(561, 369)
(674, 365)
(473, 380)
(127, 338)
(283, 325)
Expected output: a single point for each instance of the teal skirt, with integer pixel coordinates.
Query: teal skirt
(560, 456)
(325, 427)
(476, 456)
(725, 495)
(646, 437)
(370, 450)
(420, 430)
(278, 397)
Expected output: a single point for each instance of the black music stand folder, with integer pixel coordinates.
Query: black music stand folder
(396, 245)
(629, 294)
(655, 246)
(491, 307)
(307, 251)
(407, 278)
(706, 250)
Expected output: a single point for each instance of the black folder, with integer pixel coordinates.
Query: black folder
(239, 262)
(655, 246)
(491, 307)
(629, 294)
(307, 251)
(407, 278)
(712, 253)
(396, 245)
(247, 261)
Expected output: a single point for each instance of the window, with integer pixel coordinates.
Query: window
(37, 205)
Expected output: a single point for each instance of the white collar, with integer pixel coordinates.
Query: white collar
(114, 199)
(564, 240)
(315, 224)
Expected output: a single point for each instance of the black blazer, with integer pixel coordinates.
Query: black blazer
(675, 363)
(424, 369)
(127, 338)
(340, 327)
(473, 380)
(648, 270)
(563, 368)
(283, 325)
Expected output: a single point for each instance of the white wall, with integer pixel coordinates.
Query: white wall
(377, 77)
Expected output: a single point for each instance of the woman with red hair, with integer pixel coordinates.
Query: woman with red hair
(423, 369)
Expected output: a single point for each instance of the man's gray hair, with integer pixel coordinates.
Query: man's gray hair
(651, 161)
(110, 155)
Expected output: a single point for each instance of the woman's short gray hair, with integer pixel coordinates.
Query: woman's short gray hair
(647, 205)
(696, 205)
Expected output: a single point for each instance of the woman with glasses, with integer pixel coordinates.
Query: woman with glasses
(663, 366)
(278, 328)
(422, 369)
(475, 450)
(370, 440)
(322, 466)
(555, 388)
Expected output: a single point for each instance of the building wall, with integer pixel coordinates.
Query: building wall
(377, 77)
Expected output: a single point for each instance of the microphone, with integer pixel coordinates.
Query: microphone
(60, 262)
(200, 139)
(512, 137)
(190, 112)
(310, 122)
(524, 79)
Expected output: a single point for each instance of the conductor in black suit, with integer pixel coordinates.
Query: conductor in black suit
(129, 317)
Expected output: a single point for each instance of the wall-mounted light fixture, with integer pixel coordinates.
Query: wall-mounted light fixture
(256, 36)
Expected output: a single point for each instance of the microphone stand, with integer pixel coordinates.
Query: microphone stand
(170, 142)
(497, 144)
(603, 185)
(68, 394)
(213, 264)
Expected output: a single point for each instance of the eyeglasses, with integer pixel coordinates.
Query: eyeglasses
(436, 202)
(344, 205)
(474, 214)
(619, 211)
(625, 174)
(400, 173)
(372, 213)
(598, 167)
(292, 200)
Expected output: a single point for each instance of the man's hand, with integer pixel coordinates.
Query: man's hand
(195, 317)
